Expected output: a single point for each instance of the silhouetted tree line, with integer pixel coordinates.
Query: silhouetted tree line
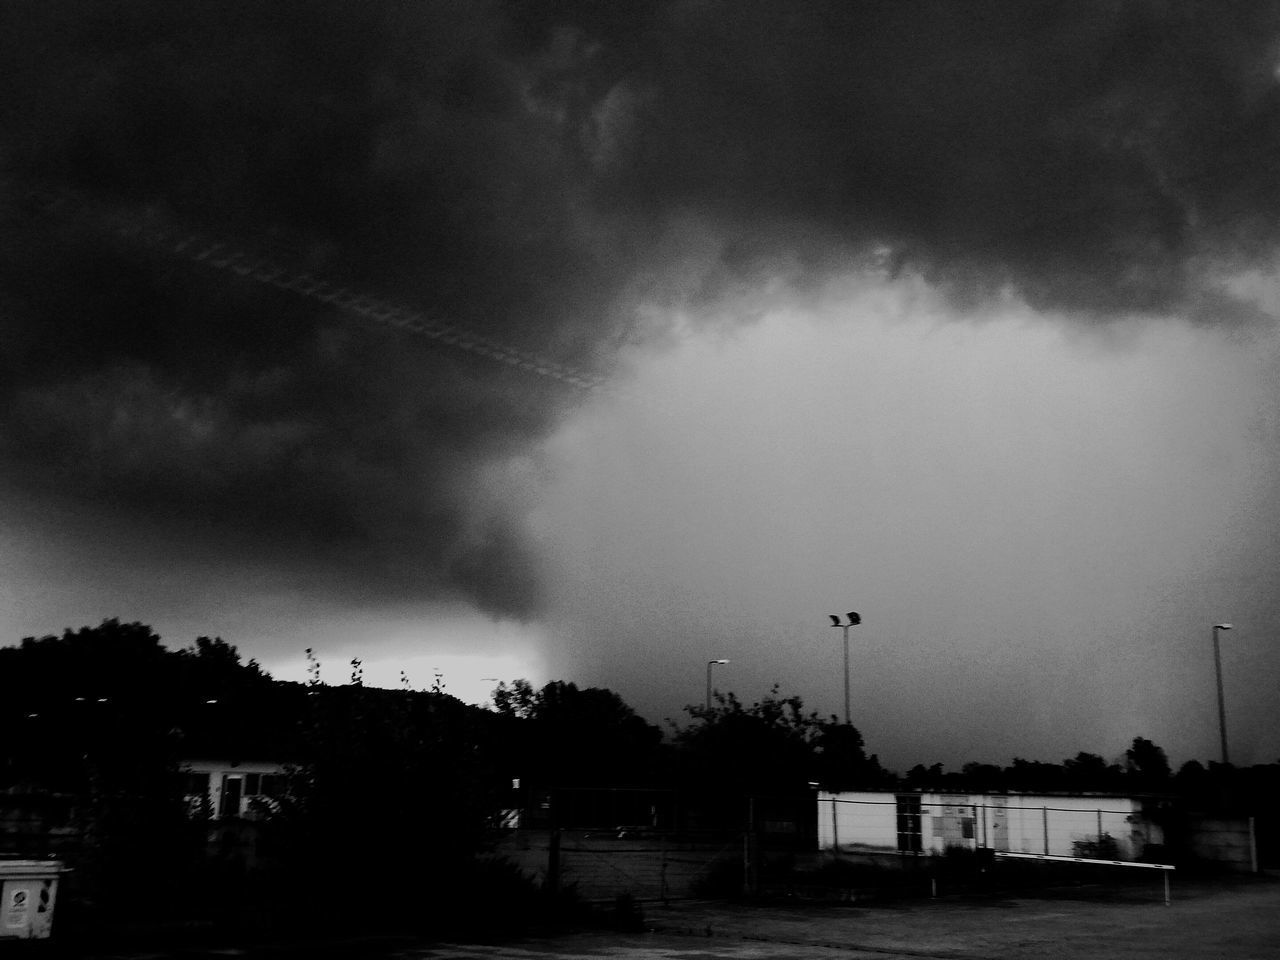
(1143, 769)
(404, 786)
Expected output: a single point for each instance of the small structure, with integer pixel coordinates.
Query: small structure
(225, 789)
(1102, 826)
(28, 891)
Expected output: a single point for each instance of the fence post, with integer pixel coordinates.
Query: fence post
(662, 873)
(553, 861)
(1253, 847)
(1045, 812)
(748, 837)
(835, 828)
(1099, 830)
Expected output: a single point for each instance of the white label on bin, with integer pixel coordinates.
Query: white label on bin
(15, 913)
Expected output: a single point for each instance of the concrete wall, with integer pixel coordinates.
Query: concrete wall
(599, 865)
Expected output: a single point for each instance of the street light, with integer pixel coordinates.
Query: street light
(854, 620)
(710, 664)
(1222, 710)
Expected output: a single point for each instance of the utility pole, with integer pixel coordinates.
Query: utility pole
(1222, 710)
(854, 620)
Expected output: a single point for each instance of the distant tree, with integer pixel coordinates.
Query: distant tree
(1089, 771)
(841, 760)
(564, 735)
(1146, 765)
(921, 777)
(1194, 784)
(1034, 776)
(106, 714)
(1191, 770)
(518, 700)
(982, 776)
(771, 746)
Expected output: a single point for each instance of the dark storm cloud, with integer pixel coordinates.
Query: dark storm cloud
(388, 145)
(528, 170)
(1095, 156)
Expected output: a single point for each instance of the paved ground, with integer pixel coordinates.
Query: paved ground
(1233, 922)
(1222, 921)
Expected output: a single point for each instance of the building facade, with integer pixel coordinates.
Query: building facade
(1096, 826)
(224, 789)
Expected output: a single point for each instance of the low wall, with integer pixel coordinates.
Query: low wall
(1225, 842)
(600, 865)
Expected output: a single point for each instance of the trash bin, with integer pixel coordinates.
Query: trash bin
(27, 892)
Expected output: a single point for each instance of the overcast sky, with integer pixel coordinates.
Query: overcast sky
(962, 316)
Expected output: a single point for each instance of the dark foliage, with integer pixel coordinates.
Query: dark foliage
(388, 784)
(772, 747)
(566, 736)
(1146, 770)
(107, 714)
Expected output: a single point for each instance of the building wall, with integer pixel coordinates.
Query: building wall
(857, 820)
(1064, 826)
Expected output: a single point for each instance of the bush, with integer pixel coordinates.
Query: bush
(1097, 848)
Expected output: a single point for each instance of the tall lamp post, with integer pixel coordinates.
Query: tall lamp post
(854, 620)
(1222, 710)
(710, 664)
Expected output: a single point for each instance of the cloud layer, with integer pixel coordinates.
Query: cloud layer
(554, 176)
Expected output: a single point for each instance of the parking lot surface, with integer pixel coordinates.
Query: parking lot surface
(1235, 921)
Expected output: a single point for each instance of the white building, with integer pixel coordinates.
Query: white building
(232, 789)
(1064, 825)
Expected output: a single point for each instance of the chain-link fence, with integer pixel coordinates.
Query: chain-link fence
(1106, 828)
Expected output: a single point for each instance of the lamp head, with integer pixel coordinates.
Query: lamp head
(854, 619)
(835, 621)
(1222, 626)
(717, 661)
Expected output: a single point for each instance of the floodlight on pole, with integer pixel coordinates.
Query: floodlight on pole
(854, 620)
(1222, 710)
(710, 664)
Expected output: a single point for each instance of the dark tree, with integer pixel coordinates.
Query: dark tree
(771, 746)
(107, 713)
(392, 785)
(921, 777)
(1090, 772)
(1146, 765)
(563, 735)
(982, 776)
(1034, 776)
